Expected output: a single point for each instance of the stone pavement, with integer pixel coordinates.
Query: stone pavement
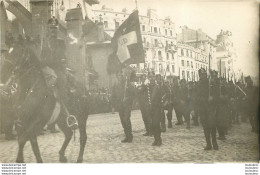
(104, 146)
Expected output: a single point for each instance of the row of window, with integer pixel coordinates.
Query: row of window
(156, 42)
(158, 30)
(161, 70)
(190, 64)
(192, 54)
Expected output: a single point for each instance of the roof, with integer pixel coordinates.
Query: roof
(90, 30)
(74, 14)
(92, 2)
(41, 1)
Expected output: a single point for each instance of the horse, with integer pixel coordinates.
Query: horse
(37, 104)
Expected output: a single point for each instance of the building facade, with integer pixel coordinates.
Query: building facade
(200, 40)
(190, 60)
(225, 55)
(158, 35)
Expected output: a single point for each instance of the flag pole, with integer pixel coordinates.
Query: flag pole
(136, 5)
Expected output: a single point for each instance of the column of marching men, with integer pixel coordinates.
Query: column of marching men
(213, 102)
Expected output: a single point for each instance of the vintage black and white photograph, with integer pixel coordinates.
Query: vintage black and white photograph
(129, 81)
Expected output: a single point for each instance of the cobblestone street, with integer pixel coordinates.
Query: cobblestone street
(104, 146)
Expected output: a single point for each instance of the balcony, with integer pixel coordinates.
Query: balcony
(170, 48)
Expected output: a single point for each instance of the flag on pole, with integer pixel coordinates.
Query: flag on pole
(127, 41)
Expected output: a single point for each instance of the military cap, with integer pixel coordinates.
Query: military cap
(202, 71)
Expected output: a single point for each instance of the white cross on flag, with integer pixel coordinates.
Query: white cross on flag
(127, 41)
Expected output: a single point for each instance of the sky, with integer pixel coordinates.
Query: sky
(238, 16)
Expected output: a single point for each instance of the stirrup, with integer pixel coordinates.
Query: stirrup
(72, 122)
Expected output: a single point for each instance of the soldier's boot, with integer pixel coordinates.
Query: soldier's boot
(125, 140)
(163, 129)
(163, 123)
(213, 138)
(207, 136)
(157, 141)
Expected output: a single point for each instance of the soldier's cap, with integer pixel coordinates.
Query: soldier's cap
(182, 81)
(214, 73)
(202, 71)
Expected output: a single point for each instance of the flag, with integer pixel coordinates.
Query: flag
(127, 41)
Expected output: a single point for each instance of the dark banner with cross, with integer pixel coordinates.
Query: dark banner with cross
(127, 41)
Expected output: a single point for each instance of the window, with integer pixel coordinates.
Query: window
(144, 40)
(191, 63)
(106, 24)
(188, 74)
(168, 68)
(116, 24)
(143, 27)
(188, 64)
(155, 30)
(167, 55)
(155, 42)
(187, 53)
(155, 67)
(173, 69)
(160, 68)
(182, 63)
(182, 53)
(166, 32)
(171, 32)
(183, 74)
(160, 55)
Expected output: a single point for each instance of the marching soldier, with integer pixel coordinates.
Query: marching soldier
(251, 103)
(207, 110)
(122, 96)
(183, 107)
(222, 110)
(156, 110)
(168, 105)
(192, 103)
(143, 91)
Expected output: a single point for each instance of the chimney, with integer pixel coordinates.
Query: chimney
(101, 35)
(41, 13)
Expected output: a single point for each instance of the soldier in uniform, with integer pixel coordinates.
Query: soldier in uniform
(251, 103)
(192, 103)
(222, 110)
(156, 109)
(182, 104)
(143, 95)
(206, 108)
(122, 95)
(168, 104)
